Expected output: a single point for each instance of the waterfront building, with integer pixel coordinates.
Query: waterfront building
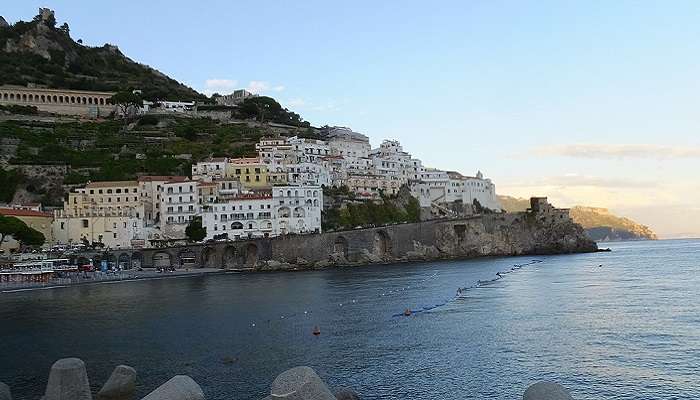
(82, 103)
(110, 213)
(179, 204)
(150, 191)
(446, 187)
(266, 213)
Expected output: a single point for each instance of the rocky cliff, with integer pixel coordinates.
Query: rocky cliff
(600, 224)
(39, 52)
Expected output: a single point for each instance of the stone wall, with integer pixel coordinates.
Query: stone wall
(482, 235)
(66, 102)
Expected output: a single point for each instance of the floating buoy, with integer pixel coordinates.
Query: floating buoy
(316, 331)
(407, 312)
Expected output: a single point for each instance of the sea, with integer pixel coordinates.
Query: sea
(623, 324)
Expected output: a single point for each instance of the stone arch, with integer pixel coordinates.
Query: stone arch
(340, 246)
(161, 259)
(284, 212)
(102, 101)
(382, 243)
(251, 255)
(84, 100)
(209, 258)
(43, 98)
(136, 260)
(31, 97)
(187, 258)
(124, 261)
(55, 99)
(89, 100)
(236, 225)
(299, 212)
(230, 255)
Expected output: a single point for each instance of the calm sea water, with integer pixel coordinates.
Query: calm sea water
(627, 330)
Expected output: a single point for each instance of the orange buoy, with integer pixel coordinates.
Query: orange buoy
(316, 331)
(407, 312)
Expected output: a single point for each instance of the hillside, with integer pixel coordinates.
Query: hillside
(38, 52)
(599, 223)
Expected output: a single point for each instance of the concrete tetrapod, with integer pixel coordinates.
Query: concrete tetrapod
(547, 391)
(121, 385)
(300, 383)
(180, 387)
(5, 393)
(68, 381)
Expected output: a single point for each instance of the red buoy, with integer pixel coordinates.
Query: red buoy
(316, 331)
(407, 312)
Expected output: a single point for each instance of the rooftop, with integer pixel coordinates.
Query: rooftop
(23, 213)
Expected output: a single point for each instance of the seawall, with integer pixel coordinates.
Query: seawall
(483, 235)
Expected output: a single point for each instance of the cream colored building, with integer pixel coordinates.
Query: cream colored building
(110, 213)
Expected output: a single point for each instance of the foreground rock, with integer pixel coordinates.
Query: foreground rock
(180, 387)
(121, 385)
(547, 391)
(300, 383)
(4, 389)
(68, 381)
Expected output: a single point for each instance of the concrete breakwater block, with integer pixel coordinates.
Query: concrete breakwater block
(5, 393)
(547, 391)
(300, 383)
(180, 387)
(346, 394)
(68, 381)
(121, 385)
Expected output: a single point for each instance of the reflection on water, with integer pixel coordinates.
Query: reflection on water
(627, 330)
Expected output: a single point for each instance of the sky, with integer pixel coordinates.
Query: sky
(587, 102)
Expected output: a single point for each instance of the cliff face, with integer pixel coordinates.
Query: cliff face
(602, 225)
(599, 223)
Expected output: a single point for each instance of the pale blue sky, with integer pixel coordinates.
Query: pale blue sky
(464, 85)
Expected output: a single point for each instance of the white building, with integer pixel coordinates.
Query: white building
(308, 173)
(281, 211)
(235, 98)
(308, 150)
(209, 169)
(443, 187)
(353, 147)
(178, 206)
(150, 187)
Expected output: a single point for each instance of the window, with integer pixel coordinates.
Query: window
(63, 225)
(85, 223)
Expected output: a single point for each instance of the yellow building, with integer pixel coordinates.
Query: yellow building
(252, 173)
(38, 220)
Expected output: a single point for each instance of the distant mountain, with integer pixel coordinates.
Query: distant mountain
(38, 52)
(599, 223)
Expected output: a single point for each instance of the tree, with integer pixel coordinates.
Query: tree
(195, 232)
(11, 226)
(127, 101)
(65, 29)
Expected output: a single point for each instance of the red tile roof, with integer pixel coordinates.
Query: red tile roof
(162, 178)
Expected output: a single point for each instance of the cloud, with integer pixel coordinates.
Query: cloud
(278, 88)
(612, 151)
(221, 86)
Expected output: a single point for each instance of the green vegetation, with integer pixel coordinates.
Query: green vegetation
(194, 231)
(369, 213)
(265, 108)
(9, 180)
(127, 101)
(19, 109)
(70, 65)
(11, 226)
